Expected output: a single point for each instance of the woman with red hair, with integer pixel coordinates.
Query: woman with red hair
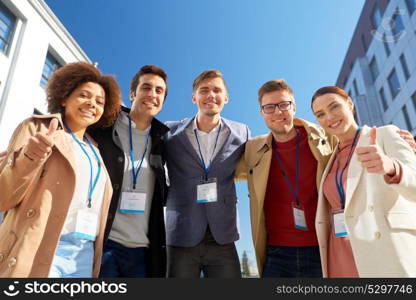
(366, 213)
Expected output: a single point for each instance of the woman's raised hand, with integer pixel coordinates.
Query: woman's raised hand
(40, 145)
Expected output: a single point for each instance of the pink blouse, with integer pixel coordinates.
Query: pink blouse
(340, 258)
(341, 261)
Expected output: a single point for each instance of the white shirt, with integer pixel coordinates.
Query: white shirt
(207, 140)
(82, 184)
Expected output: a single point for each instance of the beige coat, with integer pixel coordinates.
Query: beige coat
(380, 217)
(37, 196)
(255, 165)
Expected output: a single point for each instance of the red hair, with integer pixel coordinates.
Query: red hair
(329, 90)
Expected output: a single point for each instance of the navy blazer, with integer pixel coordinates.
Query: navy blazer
(187, 220)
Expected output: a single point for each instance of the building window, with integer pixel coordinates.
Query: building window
(374, 68)
(386, 45)
(407, 118)
(411, 6)
(7, 24)
(394, 83)
(375, 17)
(383, 99)
(397, 26)
(354, 84)
(51, 64)
(404, 66)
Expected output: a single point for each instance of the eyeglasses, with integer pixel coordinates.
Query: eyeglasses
(270, 108)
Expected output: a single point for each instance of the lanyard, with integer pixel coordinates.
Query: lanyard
(135, 173)
(207, 169)
(92, 185)
(295, 192)
(338, 182)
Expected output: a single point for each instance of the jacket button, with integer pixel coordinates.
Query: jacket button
(30, 213)
(371, 208)
(1, 257)
(116, 186)
(378, 235)
(12, 262)
(57, 182)
(251, 171)
(120, 159)
(10, 162)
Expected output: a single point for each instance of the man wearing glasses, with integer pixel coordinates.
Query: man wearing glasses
(283, 168)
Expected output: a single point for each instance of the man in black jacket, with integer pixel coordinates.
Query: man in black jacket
(134, 242)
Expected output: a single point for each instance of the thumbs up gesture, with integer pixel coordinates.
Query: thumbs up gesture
(373, 159)
(40, 145)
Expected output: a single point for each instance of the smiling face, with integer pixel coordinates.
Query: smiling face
(336, 115)
(84, 106)
(148, 98)
(279, 122)
(210, 96)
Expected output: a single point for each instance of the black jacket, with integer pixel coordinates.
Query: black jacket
(114, 158)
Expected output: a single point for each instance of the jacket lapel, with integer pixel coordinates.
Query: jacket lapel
(183, 138)
(63, 145)
(261, 161)
(228, 147)
(157, 130)
(355, 170)
(322, 209)
(260, 182)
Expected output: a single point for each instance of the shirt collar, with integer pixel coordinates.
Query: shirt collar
(194, 126)
(124, 120)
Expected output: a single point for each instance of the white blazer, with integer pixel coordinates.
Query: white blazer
(380, 217)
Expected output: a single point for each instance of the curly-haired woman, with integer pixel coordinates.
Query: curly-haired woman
(54, 187)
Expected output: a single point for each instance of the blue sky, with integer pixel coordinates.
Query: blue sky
(249, 41)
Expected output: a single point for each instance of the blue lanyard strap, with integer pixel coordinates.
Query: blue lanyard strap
(295, 192)
(92, 185)
(207, 169)
(338, 180)
(135, 174)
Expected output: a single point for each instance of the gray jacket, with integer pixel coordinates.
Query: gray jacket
(187, 220)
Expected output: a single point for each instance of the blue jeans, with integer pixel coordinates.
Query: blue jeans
(292, 262)
(120, 261)
(74, 258)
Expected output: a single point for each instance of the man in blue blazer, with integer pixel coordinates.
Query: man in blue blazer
(202, 153)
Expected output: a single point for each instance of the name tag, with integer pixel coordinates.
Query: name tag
(86, 225)
(133, 202)
(339, 224)
(299, 217)
(207, 191)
